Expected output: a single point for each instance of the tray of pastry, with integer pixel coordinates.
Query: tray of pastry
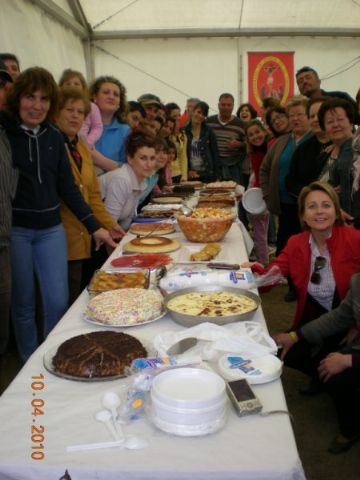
(221, 186)
(105, 280)
(155, 214)
(158, 197)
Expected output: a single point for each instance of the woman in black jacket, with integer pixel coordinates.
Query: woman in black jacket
(38, 242)
(202, 151)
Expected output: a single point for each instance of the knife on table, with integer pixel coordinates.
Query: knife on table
(214, 265)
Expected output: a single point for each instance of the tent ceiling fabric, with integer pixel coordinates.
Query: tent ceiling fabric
(131, 15)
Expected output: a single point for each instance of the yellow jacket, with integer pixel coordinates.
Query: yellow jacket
(78, 238)
(180, 165)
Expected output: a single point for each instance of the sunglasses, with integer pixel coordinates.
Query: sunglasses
(319, 264)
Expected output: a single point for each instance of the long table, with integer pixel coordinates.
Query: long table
(256, 447)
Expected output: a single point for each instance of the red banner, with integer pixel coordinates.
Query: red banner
(270, 74)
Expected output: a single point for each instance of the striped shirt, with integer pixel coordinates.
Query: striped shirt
(232, 130)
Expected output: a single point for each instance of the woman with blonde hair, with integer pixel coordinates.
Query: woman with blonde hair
(73, 107)
(274, 170)
(109, 94)
(320, 260)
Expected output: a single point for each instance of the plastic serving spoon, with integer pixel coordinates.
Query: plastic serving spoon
(105, 416)
(187, 211)
(111, 401)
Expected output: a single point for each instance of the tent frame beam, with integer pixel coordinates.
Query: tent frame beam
(50, 7)
(79, 15)
(226, 32)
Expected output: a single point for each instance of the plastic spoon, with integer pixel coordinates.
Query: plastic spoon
(111, 401)
(133, 442)
(104, 416)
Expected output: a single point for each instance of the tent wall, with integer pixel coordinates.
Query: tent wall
(207, 67)
(37, 39)
(173, 68)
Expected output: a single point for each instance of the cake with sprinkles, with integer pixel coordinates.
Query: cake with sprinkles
(126, 306)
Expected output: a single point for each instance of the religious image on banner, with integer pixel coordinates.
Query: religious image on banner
(270, 74)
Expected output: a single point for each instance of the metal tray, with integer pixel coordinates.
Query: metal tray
(192, 320)
(120, 272)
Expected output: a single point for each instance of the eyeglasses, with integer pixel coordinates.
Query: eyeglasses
(319, 264)
(277, 118)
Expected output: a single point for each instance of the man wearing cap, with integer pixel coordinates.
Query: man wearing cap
(151, 104)
(8, 182)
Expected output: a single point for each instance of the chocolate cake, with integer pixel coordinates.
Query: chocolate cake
(97, 354)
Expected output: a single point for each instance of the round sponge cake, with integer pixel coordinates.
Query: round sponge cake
(156, 228)
(151, 245)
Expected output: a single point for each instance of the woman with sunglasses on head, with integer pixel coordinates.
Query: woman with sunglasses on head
(321, 259)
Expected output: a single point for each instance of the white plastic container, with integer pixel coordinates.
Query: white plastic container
(253, 201)
(188, 402)
(256, 371)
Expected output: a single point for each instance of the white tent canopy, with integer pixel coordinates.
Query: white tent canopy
(181, 48)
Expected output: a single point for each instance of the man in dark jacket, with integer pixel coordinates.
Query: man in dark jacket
(308, 82)
(8, 182)
(339, 369)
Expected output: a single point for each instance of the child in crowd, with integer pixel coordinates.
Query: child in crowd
(92, 127)
(163, 160)
(257, 137)
(172, 154)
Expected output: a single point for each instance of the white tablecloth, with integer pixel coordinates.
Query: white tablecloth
(249, 448)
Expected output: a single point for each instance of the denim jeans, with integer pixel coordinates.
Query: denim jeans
(43, 253)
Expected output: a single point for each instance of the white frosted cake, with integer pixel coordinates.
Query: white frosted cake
(126, 306)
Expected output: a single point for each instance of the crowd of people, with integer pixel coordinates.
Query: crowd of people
(77, 161)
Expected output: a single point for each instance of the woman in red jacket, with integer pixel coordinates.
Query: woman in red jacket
(321, 259)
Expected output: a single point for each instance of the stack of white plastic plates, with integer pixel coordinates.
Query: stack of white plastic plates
(188, 402)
